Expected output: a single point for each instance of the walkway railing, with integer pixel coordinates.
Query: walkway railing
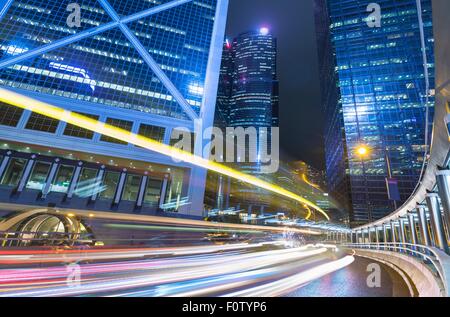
(435, 260)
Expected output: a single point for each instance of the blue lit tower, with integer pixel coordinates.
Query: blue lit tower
(149, 67)
(255, 79)
(248, 91)
(383, 87)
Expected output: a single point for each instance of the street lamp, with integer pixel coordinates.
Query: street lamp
(362, 150)
(391, 183)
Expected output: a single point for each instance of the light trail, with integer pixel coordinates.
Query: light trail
(21, 257)
(305, 179)
(170, 276)
(78, 120)
(291, 283)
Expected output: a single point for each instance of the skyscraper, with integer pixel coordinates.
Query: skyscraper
(255, 79)
(248, 91)
(384, 80)
(336, 159)
(150, 67)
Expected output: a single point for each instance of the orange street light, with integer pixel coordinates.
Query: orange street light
(362, 150)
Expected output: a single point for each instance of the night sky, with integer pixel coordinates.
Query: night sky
(292, 22)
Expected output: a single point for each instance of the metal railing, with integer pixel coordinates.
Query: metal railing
(428, 256)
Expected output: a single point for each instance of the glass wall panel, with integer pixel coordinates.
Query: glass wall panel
(14, 172)
(153, 192)
(131, 190)
(38, 175)
(62, 180)
(110, 182)
(86, 183)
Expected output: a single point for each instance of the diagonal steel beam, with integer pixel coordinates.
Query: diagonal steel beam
(4, 7)
(150, 61)
(87, 33)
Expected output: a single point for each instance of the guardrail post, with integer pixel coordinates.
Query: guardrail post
(412, 228)
(436, 221)
(386, 240)
(402, 232)
(393, 237)
(425, 235)
(443, 184)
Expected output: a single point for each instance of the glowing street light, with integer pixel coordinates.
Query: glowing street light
(362, 150)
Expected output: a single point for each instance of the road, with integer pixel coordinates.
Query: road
(229, 270)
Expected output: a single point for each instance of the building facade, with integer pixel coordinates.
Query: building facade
(336, 158)
(149, 67)
(386, 86)
(247, 98)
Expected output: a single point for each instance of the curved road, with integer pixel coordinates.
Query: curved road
(231, 270)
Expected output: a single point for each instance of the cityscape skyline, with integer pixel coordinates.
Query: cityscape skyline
(224, 148)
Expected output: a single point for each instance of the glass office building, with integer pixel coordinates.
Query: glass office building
(149, 67)
(336, 161)
(248, 98)
(255, 79)
(382, 82)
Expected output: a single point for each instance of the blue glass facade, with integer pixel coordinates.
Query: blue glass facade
(255, 79)
(383, 89)
(149, 67)
(106, 67)
(336, 162)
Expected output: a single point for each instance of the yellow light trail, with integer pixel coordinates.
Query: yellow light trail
(81, 121)
(309, 212)
(309, 183)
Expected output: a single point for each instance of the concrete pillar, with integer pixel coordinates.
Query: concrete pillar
(120, 186)
(74, 182)
(423, 225)
(443, 184)
(26, 174)
(50, 177)
(4, 163)
(434, 208)
(412, 228)
(98, 182)
(369, 234)
(162, 198)
(142, 187)
(377, 236)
